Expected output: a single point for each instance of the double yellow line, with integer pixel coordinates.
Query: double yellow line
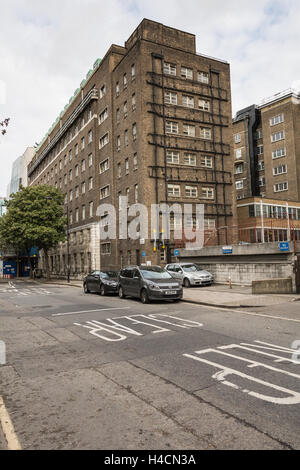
(8, 428)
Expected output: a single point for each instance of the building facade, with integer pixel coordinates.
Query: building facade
(19, 171)
(152, 121)
(266, 141)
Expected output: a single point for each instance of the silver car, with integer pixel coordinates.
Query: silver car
(190, 274)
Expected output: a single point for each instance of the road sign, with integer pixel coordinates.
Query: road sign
(284, 246)
(227, 250)
(176, 252)
(144, 254)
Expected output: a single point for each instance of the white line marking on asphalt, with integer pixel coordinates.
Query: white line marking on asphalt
(228, 310)
(8, 428)
(88, 311)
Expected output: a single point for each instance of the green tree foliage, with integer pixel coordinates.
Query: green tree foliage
(34, 218)
(3, 125)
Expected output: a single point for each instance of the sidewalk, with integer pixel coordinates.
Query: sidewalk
(219, 295)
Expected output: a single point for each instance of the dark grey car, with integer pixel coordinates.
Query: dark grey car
(148, 283)
(102, 282)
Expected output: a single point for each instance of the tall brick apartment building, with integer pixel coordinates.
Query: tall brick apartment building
(152, 121)
(266, 141)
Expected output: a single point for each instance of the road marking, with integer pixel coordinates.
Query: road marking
(8, 428)
(229, 310)
(292, 398)
(88, 311)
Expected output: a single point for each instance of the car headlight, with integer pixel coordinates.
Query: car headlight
(111, 283)
(153, 286)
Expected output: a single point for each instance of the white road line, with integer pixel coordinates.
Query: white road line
(88, 311)
(228, 310)
(8, 428)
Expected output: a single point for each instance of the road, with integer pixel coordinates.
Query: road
(91, 372)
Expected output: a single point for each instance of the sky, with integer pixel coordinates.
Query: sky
(47, 47)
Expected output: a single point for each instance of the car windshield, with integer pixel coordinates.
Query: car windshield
(191, 268)
(109, 275)
(155, 273)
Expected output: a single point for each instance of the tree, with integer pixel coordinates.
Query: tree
(34, 218)
(4, 124)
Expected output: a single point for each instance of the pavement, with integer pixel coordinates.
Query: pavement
(219, 295)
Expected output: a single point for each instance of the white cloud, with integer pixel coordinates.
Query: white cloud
(46, 48)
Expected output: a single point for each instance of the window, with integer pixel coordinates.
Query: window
(135, 162)
(170, 98)
(202, 77)
(103, 116)
(206, 162)
(127, 166)
(280, 170)
(83, 212)
(280, 187)
(119, 170)
(76, 215)
(261, 165)
(239, 168)
(117, 88)
(205, 133)
(119, 143)
(91, 209)
(169, 69)
(90, 137)
(204, 105)
(187, 73)
(136, 193)
(132, 72)
(189, 130)
(103, 166)
(207, 193)
(237, 138)
(125, 81)
(125, 110)
(76, 149)
(133, 102)
(173, 190)
(126, 141)
(190, 159)
(104, 222)
(76, 170)
(70, 155)
(239, 184)
(172, 157)
(171, 127)
(71, 195)
(102, 91)
(105, 248)
(191, 191)
(90, 159)
(103, 141)
(83, 165)
(279, 153)
(259, 134)
(60, 164)
(91, 183)
(70, 175)
(277, 136)
(238, 154)
(262, 181)
(276, 120)
(118, 115)
(134, 131)
(83, 188)
(188, 101)
(82, 143)
(65, 160)
(104, 192)
(260, 150)
(65, 179)
(77, 192)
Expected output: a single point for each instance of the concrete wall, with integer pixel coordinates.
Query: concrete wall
(273, 286)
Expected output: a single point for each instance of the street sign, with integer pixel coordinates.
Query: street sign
(144, 254)
(284, 246)
(227, 250)
(176, 252)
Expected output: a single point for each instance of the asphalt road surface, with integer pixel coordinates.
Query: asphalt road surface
(91, 372)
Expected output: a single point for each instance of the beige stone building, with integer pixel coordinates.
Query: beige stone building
(151, 121)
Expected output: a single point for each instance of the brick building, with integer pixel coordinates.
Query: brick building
(152, 121)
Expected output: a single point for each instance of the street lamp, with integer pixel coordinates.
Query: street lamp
(68, 246)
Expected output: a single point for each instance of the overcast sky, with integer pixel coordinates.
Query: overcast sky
(47, 47)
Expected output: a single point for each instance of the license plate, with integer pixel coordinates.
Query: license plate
(171, 292)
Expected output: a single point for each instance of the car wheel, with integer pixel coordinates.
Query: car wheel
(85, 288)
(186, 283)
(144, 297)
(102, 290)
(121, 293)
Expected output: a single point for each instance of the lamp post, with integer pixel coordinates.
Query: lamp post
(68, 246)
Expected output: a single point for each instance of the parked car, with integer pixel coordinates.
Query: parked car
(190, 274)
(148, 283)
(103, 282)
